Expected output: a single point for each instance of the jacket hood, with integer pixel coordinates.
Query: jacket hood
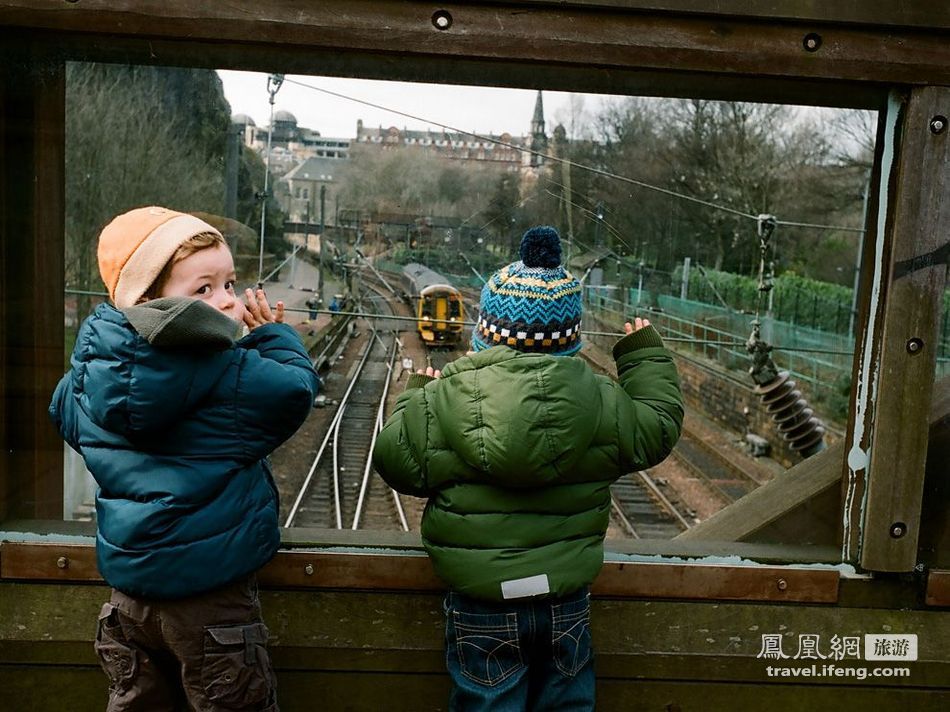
(519, 418)
(180, 321)
(127, 385)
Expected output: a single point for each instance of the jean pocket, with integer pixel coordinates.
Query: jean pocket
(236, 670)
(487, 645)
(117, 658)
(570, 635)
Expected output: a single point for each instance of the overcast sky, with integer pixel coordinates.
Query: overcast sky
(479, 109)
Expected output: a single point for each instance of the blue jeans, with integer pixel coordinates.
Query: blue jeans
(532, 654)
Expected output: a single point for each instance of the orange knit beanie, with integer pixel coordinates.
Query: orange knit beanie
(136, 246)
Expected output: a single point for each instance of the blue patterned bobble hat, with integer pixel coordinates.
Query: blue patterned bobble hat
(533, 304)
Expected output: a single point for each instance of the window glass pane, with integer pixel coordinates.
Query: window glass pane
(716, 221)
(140, 136)
(934, 527)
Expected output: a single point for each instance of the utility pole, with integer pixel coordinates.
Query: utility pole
(323, 202)
(599, 223)
(567, 203)
(307, 226)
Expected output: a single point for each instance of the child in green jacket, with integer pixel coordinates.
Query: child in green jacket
(516, 447)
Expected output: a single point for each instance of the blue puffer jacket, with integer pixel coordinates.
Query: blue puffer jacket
(176, 439)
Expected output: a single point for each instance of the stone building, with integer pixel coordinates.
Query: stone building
(304, 183)
(303, 161)
(290, 144)
(504, 151)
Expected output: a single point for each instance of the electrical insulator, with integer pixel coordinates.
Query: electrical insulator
(796, 421)
(782, 400)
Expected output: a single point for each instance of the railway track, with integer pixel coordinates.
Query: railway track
(723, 472)
(638, 506)
(729, 479)
(341, 491)
(642, 510)
(324, 353)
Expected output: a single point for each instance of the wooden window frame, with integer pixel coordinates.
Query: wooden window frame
(870, 55)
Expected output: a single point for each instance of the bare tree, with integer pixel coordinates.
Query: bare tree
(411, 181)
(853, 133)
(130, 141)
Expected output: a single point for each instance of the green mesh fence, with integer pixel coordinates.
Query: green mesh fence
(825, 376)
(801, 321)
(806, 305)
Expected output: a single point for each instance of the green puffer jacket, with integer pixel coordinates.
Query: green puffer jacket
(516, 452)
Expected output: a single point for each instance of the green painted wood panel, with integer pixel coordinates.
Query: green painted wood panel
(40, 688)
(325, 642)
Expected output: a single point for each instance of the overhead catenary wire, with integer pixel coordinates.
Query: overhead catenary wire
(591, 169)
(818, 226)
(287, 259)
(591, 215)
(521, 203)
(559, 159)
(376, 315)
(481, 210)
(553, 158)
(540, 154)
(712, 286)
(710, 342)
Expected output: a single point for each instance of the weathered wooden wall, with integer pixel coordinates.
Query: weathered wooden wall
(383, 651)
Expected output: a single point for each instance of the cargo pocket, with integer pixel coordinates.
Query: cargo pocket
(570, 635)
(236, 670)
(487, 645)
(117, 658)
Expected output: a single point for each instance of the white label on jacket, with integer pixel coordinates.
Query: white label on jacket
(523, 587)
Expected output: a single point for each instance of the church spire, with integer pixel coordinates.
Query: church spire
(537, 122)
(539, 140)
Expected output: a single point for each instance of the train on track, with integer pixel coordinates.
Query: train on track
(437, 304)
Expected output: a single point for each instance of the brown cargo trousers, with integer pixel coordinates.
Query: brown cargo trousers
(205, 653)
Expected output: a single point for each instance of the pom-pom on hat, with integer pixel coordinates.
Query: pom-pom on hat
(136, 246)
(534, 304)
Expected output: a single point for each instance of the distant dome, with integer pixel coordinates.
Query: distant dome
(243, 120)
(283, 115)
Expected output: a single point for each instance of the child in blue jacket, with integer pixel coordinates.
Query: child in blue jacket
(174, 418)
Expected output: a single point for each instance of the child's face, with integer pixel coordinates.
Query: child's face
(207, 275)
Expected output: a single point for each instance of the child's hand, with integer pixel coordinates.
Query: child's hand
(434, 373)
(259, 312)
(638, 324)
